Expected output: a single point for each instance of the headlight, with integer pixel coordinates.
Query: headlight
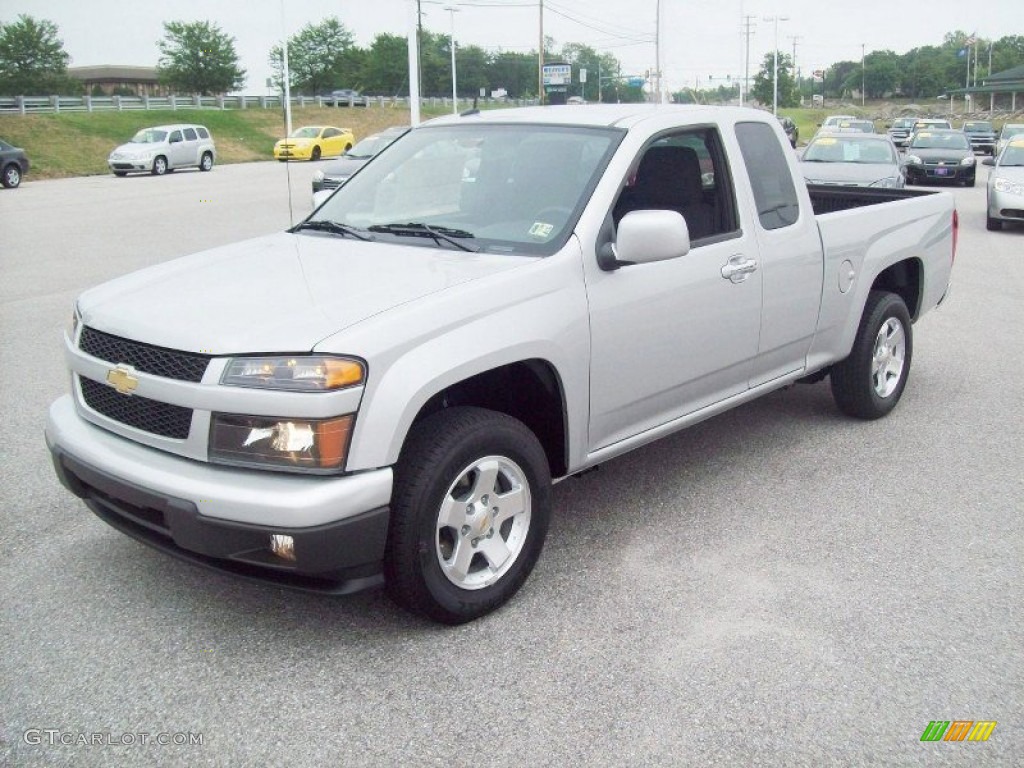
(1009, 187)
(313, 373)
(913, 159)
(309, 445)
(967, 160)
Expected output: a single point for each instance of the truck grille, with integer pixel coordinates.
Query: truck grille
(168, 363)
(142, 413)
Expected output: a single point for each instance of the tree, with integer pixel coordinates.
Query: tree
(387, 65)
(321, 57)
(33, 60)
(763, 88)
(198, 58)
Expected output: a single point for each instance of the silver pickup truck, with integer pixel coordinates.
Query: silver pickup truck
(384, 393)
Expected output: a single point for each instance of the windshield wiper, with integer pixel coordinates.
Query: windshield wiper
(323, 225)
(418, 229)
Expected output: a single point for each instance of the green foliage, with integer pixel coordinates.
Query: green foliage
(198, 58)
(764, 82)
(321, 58)
(33, 60)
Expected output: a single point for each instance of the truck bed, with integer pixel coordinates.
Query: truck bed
(829, 199)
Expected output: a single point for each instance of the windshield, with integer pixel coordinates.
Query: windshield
(149, 136)
(304, 133)
(511, 188)
(1012, 155)
(370, 146)
(829, 149)
(1011, 130)
(929, 140)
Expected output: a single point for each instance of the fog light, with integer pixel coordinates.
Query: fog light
(283, 546)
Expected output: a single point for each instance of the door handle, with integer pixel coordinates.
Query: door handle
(738, 268)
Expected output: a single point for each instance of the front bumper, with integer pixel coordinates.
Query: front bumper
(1005, 206)
(954, 173)
(293, 153)
(223, 518)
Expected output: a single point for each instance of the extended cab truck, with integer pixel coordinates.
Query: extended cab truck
(385, 392)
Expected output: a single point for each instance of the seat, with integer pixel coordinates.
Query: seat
(669, 178)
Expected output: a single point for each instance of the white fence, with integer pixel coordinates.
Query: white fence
(27, 105)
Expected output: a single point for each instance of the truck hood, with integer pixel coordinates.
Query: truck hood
(280, 293)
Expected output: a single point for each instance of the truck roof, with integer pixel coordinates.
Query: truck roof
(600, 115)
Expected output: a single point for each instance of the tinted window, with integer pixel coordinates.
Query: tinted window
(203, 133)
(770, 177)
(190, 135)
(175, 136)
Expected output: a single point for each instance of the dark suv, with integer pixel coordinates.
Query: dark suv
(982, 136)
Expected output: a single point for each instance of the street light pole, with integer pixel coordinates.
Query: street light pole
(862, 80)
(775, 66)
(452, 10)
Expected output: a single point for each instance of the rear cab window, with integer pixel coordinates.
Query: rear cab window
(770, 176)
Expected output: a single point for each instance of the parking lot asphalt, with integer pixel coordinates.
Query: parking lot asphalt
(777, 586)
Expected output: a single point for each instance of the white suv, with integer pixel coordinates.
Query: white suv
(165, 148)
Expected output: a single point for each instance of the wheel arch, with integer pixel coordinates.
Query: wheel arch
(905, 279)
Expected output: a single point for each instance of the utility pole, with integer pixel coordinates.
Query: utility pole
(796, 75)
(452, 10)
(775, 67)
(862, 78)
(540, 58)
(414, 67)
(419, 43)
(287, 75)
(992, 95)
(657, 52)
(748, 27)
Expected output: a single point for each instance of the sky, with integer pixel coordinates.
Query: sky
(701, 42)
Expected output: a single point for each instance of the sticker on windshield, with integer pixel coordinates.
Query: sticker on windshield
(1017, 143)
(825, 142)
(540, 229)
(924, 135)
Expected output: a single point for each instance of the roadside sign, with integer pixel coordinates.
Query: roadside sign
(635, 82)
(583, 74)
(557, 74)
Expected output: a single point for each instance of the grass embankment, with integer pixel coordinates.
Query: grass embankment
(77, 144)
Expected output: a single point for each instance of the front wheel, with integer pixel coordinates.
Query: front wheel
(469, 514)
(869, 382)
(160, 166)
(315, 154)
(993, 225)
(11, 176)
(206, 163)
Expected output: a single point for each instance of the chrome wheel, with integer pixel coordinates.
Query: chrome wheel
(483, 522)
(888, 357)
(12, 176)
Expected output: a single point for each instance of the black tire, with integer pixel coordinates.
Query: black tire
(315, 154)
(121, 174)
(442, 451)
(159, 165)
(348, 147)
(993, 225)
(11, 177)
(969, 182)
(854, 386)
(206, 162)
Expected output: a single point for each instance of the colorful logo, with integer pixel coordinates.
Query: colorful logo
(958, 730)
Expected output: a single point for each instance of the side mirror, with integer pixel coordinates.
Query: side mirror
(989, 161)
(647, 236)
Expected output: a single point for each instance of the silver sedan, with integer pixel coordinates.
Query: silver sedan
(852, 160)
(1006, 185)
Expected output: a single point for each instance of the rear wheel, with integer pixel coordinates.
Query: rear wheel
(206, 163)
(870, 382)
(159, 165)
(469, 514)
(11, 176)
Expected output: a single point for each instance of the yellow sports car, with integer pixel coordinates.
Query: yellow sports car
(314, 142)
